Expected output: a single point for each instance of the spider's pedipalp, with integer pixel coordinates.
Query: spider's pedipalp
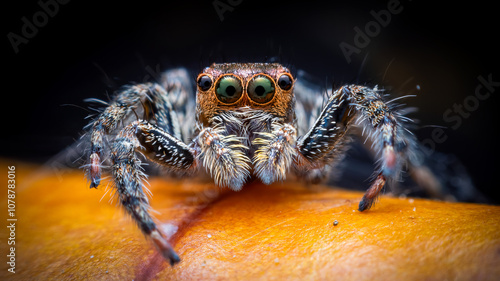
(223, 158)
(274, 157)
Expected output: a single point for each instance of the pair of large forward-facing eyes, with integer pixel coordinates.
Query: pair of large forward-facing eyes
(261, 88)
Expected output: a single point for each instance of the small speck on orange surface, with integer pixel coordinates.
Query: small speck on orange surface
(65, 231)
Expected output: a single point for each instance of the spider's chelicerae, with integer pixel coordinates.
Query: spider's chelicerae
(248, 121)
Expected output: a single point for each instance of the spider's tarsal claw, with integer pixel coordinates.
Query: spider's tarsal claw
(164, 247)
(364, 205)
(173, 257)
(371, 194)
(94, 183)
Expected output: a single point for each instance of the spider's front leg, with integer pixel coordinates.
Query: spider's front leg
(325, 142)
(149, 99)
(160, 147)
(157, 137)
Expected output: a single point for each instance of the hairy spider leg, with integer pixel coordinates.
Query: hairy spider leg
(149, 99)
(164, 149)
(157, 138)
(160, 147)
(325, 141)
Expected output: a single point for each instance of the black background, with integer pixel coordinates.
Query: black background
(89, 49)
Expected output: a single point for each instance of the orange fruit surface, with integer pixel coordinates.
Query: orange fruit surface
(285, 231)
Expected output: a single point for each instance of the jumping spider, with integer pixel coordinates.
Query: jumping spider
(250, 120)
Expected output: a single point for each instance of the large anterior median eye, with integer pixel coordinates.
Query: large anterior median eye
(228, 89)
(261, 89)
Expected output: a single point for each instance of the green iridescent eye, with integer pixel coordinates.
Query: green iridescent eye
(228, 89)
(261, 89)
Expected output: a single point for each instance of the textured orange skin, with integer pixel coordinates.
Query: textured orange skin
(262, 232)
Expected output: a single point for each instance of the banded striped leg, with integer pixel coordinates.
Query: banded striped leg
(148, 99)
(162, 148)
(324, 143)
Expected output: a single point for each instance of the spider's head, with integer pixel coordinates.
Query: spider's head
(240, 86)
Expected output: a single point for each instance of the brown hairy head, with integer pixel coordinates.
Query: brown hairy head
(229, 86)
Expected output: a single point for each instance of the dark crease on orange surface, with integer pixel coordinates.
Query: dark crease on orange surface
(156, 263)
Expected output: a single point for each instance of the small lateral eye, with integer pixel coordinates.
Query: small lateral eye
(205, 82)
(285, 82)
(261, 89)
(228, 89)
